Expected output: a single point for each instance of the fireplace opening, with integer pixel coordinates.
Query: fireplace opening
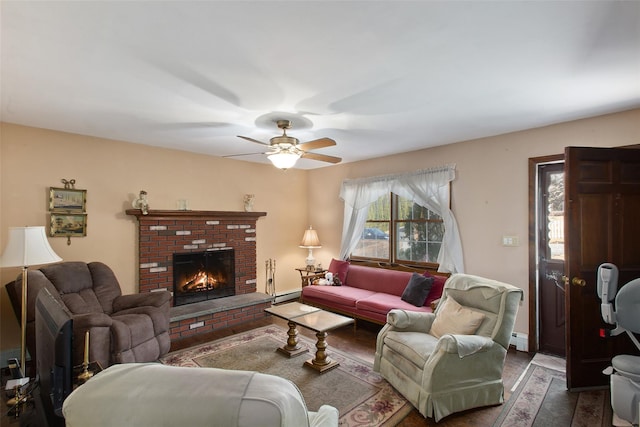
(201, 276)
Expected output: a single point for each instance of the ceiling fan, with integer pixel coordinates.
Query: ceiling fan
(285, 150)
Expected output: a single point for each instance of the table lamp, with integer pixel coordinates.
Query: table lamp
(26, 246)
(310, 241)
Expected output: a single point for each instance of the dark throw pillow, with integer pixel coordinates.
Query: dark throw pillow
(417, 290)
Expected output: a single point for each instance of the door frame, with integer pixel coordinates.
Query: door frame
(533, 342)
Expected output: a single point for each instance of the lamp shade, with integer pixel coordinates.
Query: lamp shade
(310, 239)
(284, 160)
(27, 246)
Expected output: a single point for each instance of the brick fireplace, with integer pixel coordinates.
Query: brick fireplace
(163, 233)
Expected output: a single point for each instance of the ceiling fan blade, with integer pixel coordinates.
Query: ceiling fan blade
(316, 143)
(321, 157)
(247, 154)
(253, 140)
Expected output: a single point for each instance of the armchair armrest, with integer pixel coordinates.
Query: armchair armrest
(409, 321)
(464, 345)
(326, 416)
(91, 320)
(403, 321)
(99, 327)
(155, 299)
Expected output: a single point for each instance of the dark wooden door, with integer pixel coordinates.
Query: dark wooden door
(551, 298)
(602, 208)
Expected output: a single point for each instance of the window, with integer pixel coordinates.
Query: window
(399, 230)
(420, 232)
(374, 242)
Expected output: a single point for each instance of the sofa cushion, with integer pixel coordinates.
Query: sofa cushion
(382, 303)
(343, 295)
(413, 346)
(417, 290)
(339, 269)
(437, 287)
(378, 279)
(453, 318)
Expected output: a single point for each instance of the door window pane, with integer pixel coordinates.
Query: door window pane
(555, 215)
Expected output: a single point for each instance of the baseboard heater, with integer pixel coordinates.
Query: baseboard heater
(520, 341)
(286, 296)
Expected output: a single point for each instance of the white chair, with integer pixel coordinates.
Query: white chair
(151, 394)
(451, 360)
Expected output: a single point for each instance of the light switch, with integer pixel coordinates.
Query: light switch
(510, 241)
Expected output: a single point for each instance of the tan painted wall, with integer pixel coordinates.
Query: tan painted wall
(113, 172)
(489, 195)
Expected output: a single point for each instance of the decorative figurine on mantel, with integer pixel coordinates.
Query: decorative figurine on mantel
(141, 203)
(248, 202)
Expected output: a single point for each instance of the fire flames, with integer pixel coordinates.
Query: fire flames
(202, 281)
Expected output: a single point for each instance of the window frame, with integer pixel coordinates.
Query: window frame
(392, 223)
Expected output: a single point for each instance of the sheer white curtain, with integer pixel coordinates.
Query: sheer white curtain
(428, 188)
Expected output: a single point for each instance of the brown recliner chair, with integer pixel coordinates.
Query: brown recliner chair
(122, 328)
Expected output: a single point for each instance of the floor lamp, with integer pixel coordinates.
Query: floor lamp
(26, 246)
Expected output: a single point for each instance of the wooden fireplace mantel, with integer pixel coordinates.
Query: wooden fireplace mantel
(187, 214)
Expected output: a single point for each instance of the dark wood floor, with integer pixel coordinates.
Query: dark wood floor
(361, 342)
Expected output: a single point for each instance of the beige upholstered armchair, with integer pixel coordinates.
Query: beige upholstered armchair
(451, 360)
(122, 328)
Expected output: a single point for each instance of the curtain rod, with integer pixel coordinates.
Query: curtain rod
(435, 169)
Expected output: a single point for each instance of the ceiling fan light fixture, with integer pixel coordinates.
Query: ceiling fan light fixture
(284, 160)
(285, 150)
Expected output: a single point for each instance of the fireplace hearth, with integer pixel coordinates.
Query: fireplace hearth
(201, 276)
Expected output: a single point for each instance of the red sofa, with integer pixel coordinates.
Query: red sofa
(368, 293)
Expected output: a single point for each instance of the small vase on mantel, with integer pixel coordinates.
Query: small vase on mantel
(248, 202)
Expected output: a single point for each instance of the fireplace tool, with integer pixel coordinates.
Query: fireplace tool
(270, 284)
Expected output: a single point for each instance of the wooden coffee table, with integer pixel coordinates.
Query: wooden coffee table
(289, 312)
(315, 319)
(321, 322)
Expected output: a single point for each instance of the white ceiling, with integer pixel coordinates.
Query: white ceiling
(379, 77)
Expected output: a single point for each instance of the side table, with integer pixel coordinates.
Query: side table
(308, 276)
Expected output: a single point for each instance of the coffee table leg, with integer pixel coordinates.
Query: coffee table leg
(321, 362)
(292, 348)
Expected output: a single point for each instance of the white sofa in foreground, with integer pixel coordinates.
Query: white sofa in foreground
(151, 394)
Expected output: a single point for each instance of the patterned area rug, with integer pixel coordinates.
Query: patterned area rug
(362, 396)
(541, 398)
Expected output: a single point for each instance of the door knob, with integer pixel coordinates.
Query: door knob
(576, 281)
